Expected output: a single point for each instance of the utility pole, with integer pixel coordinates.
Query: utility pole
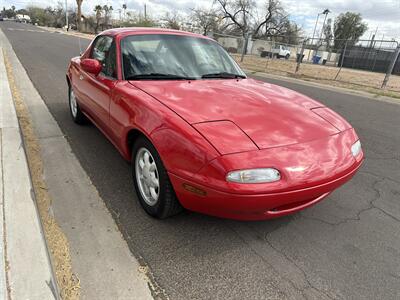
(315, 28)
(374, 36)
(66, 14)
(145, 12)
(313, 35)
(371, 44)
(391, 66)
(325, 12)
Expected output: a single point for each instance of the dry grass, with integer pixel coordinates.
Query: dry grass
(348, 78)
(56, 239)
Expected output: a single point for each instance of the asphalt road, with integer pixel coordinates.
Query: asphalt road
(348, 246)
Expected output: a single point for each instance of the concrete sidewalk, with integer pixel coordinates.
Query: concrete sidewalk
(25, 267)
(100, 257)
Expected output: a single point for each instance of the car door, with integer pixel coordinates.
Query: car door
(99, 88)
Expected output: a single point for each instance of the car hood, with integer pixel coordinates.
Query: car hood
(270, 115)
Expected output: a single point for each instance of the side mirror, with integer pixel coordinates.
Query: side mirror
(91, 66)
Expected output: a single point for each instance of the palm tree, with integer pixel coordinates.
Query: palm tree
(124, 8)
(98, 10)
(79, 14)
(107, 13)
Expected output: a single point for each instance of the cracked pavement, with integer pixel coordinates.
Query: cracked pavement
(345, 247)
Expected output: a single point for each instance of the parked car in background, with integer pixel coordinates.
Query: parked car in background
(1, 18)
(22, 18)
(201, 135)
(279, 51)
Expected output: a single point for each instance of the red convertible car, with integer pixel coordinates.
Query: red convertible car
(201, 135)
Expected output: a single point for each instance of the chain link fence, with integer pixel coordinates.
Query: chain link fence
(369, 63)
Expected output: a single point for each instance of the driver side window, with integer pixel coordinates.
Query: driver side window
(104, 51)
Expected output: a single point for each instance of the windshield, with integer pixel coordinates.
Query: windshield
(164, 56)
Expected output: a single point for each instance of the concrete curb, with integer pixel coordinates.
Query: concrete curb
(29, 273)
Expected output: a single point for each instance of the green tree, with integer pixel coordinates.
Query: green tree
(138, 20)
(40, 15)
(348, 26)
(22, 11)
(8, 13)
(290, 33)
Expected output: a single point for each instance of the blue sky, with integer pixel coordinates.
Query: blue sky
(384, 14)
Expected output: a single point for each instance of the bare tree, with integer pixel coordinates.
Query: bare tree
(206, 19)
(172, 20)
(243, 16)
(274, 22)
(237, 14)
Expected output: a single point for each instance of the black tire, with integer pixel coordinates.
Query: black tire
(287, 56)
(79, 117)
(167, 204)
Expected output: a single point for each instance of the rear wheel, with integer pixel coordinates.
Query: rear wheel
(287, 56)
(153, 187)
(76, 113)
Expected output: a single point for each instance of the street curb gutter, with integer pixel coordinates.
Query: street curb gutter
(29, 273)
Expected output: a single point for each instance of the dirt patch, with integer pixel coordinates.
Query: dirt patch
(57, 242)
(348, 78)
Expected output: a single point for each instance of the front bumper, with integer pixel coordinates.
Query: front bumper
(209, 201)
(309, 172)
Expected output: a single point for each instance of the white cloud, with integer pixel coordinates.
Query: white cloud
(382, 13)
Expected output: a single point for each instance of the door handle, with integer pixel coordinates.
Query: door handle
(81, 77)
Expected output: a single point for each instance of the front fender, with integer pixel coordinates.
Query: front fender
(182, 149)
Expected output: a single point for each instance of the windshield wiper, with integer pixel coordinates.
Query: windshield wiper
(158, 76)
(223, 75)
